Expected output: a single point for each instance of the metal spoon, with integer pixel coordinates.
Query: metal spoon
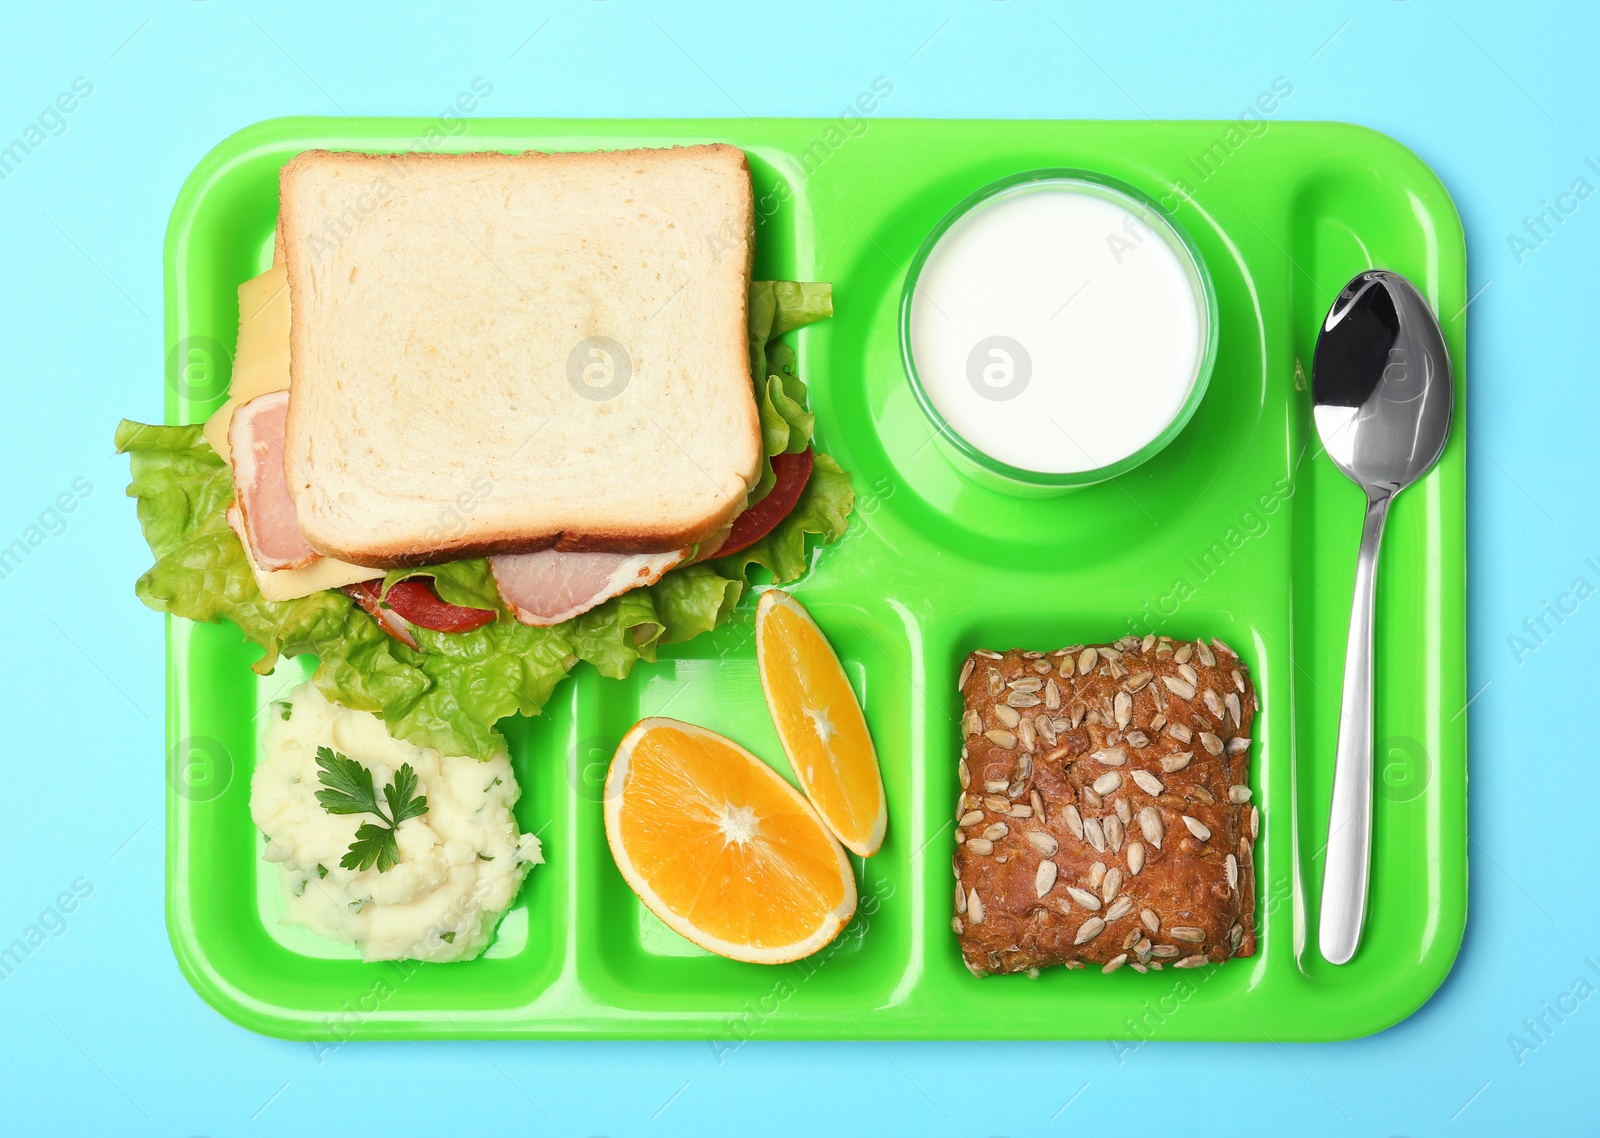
(1383, 395)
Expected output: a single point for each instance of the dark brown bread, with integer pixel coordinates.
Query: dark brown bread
(1105, 816)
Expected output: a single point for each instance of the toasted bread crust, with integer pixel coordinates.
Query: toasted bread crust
(620, 541)
(638, 538)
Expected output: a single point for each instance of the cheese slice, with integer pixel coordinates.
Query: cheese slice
(292, 584)
(260, 365)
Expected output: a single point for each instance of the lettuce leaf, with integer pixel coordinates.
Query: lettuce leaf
(448, 696)
(478, 678)
(183, 489)
(777, 307)
(786, 424)
(612, 636)
(451, 694)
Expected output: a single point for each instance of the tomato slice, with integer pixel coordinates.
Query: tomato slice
(793, 471)
(413, 602)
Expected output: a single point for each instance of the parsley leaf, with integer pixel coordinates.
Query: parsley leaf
(374, 844)
(348, 790)
(401, 795)
(349, 784)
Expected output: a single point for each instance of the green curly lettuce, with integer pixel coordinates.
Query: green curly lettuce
(451, 694)
(183, 489)
(778, 307)
(612, 636)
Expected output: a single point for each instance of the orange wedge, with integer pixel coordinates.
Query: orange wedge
(721, 848)
(820, 723)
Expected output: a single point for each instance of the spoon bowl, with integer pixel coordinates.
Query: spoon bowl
(1381, 383)
(1384, 396)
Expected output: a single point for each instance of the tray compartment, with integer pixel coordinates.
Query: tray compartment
(626, 955)
(285, 979)
(1082, 530)
(1345, 220)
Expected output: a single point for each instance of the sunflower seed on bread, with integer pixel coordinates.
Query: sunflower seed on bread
(1121, 840)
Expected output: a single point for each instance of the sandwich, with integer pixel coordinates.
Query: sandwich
(490, 416)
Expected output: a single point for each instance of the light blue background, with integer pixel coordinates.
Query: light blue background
(100, 1034)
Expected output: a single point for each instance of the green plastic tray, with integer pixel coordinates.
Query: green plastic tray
(1241, 529)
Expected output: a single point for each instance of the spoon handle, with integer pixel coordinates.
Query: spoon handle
(1344, 874)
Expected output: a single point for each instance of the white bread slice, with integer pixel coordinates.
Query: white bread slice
(444, 310)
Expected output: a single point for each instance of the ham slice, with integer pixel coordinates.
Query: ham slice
(365, 594)
(549, 586)
(261, 492)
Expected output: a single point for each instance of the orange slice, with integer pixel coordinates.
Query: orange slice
(820, 723)
(721, 848)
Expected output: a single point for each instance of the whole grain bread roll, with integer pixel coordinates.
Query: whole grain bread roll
(1105, 812)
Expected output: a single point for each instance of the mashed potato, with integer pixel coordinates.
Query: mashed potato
(461, 863)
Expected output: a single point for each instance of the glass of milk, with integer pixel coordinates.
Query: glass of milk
(1058, 330)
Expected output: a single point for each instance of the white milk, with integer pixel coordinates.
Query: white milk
(1054, 330)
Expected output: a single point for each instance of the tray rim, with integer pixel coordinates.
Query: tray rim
(295, 1024)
